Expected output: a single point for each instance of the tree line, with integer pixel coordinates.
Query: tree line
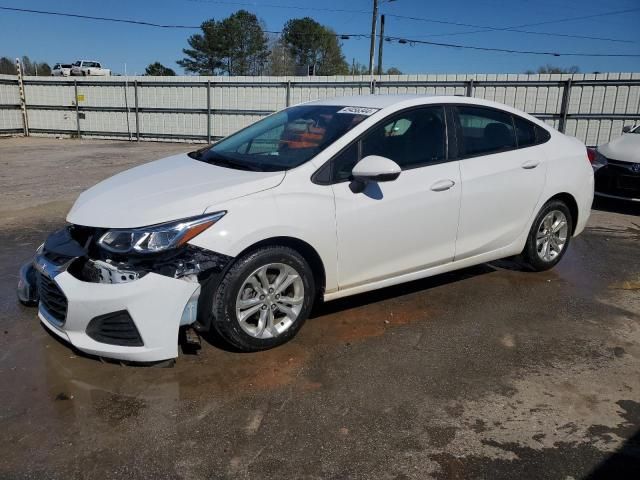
(8, 67)
(239, 45)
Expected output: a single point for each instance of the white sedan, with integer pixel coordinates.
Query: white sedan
(319, 201)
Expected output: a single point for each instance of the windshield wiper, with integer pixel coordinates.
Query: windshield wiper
(215, 158)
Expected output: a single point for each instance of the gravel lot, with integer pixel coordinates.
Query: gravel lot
(491, 372)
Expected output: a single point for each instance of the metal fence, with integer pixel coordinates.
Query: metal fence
(591, 107)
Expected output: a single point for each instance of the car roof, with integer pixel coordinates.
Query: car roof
(370, 101)
(404, 101)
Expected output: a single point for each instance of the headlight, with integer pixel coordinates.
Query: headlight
(597, 159)
(157, 238)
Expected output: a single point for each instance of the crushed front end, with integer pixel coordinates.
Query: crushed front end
(125, 306)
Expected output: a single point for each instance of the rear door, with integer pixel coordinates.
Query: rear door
(503, 171)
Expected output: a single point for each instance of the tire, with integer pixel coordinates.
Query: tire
(545, 246)
(241, 291)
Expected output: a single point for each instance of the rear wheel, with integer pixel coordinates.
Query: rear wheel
(549, 236)
(264, 299)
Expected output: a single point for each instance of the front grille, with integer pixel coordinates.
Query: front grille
(618, 179)
(52, 298)
(115, 328)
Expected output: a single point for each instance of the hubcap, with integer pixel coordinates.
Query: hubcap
(270, 300)
(552, 235)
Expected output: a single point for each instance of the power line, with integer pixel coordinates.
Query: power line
(507, 50)
(151, 24)
(285, 7)
(104, 19)
(343, 36)
(484, 28)
(516, 28)
(547, 34)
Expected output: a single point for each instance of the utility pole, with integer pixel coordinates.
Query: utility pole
(380, 45)
(373, 36)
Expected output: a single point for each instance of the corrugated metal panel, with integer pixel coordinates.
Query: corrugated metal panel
(238, 101)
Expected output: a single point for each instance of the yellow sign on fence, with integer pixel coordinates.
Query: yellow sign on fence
(81, 98)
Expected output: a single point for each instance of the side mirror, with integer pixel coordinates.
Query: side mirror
(373, 168)
(627, 128)
(376, 169)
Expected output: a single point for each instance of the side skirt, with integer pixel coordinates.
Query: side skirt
(428, 272)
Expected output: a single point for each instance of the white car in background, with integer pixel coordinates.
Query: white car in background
(617, 166)
(89, 69)
(61, 70)
(319, 201)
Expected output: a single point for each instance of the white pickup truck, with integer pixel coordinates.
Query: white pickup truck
(89, 68)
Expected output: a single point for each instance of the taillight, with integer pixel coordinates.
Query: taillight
(591, 155)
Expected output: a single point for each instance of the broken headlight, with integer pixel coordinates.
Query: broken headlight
(157, 238)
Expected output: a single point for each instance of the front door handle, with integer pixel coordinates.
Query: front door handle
(530, 164)
(442, 185)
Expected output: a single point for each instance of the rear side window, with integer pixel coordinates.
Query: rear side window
(542, 135)
(528, 133)
(484, 130)
(525, 131)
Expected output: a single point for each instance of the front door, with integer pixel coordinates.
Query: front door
(403, 225)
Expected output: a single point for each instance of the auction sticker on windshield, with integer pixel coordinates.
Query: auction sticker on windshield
(359, 110)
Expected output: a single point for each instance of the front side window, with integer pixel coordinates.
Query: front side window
(284, 140)
(483, 131)
(411, 139)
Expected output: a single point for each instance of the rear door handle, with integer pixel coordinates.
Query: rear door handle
(530, 164)
(442, 185)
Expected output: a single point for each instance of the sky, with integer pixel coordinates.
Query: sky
(59, 39)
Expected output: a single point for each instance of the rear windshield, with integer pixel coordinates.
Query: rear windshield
(284, 140)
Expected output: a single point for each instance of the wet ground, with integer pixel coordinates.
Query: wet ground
(491, 372)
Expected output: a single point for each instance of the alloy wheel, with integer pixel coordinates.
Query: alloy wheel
(270, 300)
(551, 236)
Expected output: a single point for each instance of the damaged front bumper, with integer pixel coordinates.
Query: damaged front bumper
(123, 308)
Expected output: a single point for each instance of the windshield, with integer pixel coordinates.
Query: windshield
(284, 140)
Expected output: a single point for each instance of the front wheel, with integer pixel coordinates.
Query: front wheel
(549, 237)
(264, 299)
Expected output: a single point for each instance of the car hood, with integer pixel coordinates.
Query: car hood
(625, 148)
(169, 189)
